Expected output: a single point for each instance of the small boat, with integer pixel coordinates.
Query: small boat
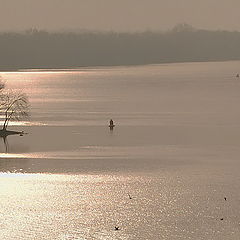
(111, 124)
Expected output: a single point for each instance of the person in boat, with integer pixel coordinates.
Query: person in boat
(111, 123)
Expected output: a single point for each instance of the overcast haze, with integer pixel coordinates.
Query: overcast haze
(118, 15)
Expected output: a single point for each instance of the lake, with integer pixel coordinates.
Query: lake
(162, 173)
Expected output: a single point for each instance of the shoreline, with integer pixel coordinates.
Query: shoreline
(76, 68)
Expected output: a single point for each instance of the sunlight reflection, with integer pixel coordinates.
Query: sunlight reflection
(12, 155)
(23, 123)
(24, 155)
(88, 178)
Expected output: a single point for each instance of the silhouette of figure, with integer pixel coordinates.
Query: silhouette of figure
(111, 124)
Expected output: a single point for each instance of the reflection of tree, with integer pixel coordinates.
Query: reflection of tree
(5, 141)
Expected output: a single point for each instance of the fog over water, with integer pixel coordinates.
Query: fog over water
(116, 15)
(174, 150)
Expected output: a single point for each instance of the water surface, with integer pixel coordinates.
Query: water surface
(175, 149)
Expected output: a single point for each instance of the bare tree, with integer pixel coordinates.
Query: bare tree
(14, 106)
(2, 97)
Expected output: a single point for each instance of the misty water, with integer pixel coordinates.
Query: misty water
(162, 173)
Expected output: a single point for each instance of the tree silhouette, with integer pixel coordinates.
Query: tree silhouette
(14, 106)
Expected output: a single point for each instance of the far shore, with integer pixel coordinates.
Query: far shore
(76, 68)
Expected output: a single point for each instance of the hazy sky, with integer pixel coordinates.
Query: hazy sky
(118, 15)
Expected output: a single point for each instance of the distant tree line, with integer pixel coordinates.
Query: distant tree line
(40, 49)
